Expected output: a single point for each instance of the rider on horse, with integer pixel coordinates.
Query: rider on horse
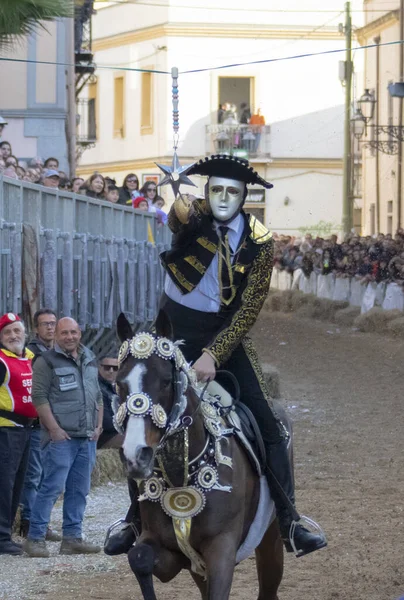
(218, 276)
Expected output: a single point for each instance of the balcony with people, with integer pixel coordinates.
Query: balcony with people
(238, 133)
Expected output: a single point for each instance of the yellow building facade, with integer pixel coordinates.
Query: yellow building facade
(382, 152)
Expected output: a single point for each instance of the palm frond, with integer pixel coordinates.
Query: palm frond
(23, 17)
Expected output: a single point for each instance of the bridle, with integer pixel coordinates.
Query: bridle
(139, 404)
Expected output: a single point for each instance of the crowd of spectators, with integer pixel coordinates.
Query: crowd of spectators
(47, 173)
(367, 259)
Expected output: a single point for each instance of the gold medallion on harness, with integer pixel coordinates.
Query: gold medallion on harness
(183, 503)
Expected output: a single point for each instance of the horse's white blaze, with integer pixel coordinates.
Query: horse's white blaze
(135, 430)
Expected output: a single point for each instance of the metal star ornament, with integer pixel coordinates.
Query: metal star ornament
(176, 175)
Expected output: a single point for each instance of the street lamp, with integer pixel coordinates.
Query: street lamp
(366, 105)
(384, 138)
(358, 124)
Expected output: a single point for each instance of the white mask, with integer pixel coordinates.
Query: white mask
(225, 197)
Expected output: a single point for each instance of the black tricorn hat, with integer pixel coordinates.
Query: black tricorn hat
(229, 167)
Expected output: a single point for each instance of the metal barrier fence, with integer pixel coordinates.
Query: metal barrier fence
(388, 296)
(85, 258)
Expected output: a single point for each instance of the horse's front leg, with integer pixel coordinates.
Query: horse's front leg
(142, 558)
(148, 557)
(220, 557)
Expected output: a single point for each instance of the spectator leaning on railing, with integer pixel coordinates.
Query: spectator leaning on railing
(97, 186)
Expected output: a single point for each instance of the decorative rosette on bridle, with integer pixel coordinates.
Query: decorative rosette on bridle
(141, 405)
(144, 344)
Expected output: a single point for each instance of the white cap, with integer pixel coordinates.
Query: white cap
(3, 121)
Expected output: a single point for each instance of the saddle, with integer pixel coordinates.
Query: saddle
(245, 426)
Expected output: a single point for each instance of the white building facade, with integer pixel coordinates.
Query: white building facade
(300, 147)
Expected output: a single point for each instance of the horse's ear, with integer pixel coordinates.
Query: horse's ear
(163, 325)
(123, 328)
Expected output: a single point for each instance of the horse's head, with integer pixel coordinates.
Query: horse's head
(151, 387)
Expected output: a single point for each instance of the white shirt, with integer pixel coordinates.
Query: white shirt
(206, 295)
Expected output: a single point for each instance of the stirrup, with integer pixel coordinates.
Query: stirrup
(315, 528)
(116, 525)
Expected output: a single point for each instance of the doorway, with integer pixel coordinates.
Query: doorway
(235, 90)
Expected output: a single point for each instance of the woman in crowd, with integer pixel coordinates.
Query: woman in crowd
(20, 172)
(149, 191)
(12, 161)
(95, 186)
(129, 190)
(76, 184)
(5, 150)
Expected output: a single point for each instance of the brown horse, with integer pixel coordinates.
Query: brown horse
(165, 432)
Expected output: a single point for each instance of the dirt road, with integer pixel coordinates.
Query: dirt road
(344, 391)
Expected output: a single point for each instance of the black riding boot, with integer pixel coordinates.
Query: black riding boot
(295, 536)
(123, 540)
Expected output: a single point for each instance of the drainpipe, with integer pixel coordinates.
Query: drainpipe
(377, 158)
(71, 98)
(400, 119)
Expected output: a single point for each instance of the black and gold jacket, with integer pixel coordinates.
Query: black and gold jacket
(194, 246)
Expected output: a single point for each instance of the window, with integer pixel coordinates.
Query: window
(357, 220)
(119, 107)
(372, 219)
(92, 111)
(234, 91)
(390, 206)
(146, 115)
(389, 224)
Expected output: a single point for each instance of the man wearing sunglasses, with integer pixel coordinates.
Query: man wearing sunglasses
(107, 370)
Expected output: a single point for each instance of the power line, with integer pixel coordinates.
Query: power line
(229, 66)
(296, 56)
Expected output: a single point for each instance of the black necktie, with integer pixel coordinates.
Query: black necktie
(227, 291)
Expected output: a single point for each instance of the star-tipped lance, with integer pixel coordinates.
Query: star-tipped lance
(176, 175)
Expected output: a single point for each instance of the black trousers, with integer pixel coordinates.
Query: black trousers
(197, 329)
(14, 452)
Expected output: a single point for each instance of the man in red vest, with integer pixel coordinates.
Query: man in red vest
(17, 413)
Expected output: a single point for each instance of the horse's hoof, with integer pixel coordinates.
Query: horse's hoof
(120, 542)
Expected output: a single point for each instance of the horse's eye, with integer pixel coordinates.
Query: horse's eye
(166, 382)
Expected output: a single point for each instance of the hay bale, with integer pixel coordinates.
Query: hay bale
(325, 309)
(300, 299)
(273, 302)
(347, 316)
(286, 300)
(272, 378)
(108, 467)
(396, 327)
(307, 311)
(376, 320)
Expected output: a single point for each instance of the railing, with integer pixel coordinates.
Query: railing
(388, 296)
(247, 141)
(82, 257)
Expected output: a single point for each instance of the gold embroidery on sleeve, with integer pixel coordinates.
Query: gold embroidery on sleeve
(252, 299)
(180, 277)
(194, 262)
